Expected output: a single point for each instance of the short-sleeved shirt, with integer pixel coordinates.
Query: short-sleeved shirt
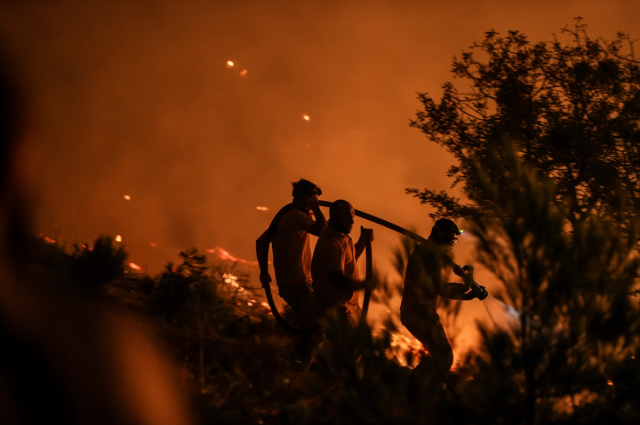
(334, 251)
(291, 249)
(428, 267)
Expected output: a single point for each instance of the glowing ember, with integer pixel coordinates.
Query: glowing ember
(306, 117)
(118, 238)
(259, 208)
(134, 266)
(230, 64)
(127, 197)
(49, 240)
(230, 279)
(265, 305)
(153, 244)
(250, 304)
(243, 73)
(610, 383)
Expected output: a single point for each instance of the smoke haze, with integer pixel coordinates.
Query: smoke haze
(137, 98)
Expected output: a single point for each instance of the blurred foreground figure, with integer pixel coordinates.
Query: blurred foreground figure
(334, 269)
(62, 359)
(424, 284)
(292, 258)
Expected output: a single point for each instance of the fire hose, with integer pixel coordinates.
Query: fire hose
(369, 258)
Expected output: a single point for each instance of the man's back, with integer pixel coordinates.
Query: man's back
(291, 249)
(426, 271)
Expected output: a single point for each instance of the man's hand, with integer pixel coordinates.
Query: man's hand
(265, 279)
(366, 235)
(311, 202)
(370, 284)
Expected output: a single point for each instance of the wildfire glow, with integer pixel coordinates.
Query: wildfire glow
(118, 238)
(127, 197)
(230, 64)
(134, 266)
(259, 208)
(243, 73)
(265, 305)
(306, 117)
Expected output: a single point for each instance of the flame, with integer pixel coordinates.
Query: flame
(401, 345)
(243, 73)
(259, 208)
(306, 117)
(610, 383)
(49, 240)
(265, 305)
(127, 197)
(224, 255)
(250, 304)
(118, 238)
(134, 266)
(230, 64)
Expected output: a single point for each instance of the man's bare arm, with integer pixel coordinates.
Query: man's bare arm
(321, 220)
(262, 253)
(457, 291)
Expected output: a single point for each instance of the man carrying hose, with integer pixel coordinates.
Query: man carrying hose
(334, 268)
(425, 282)
(292, 257)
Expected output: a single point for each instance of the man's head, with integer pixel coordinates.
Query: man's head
(445, 233)
(303, 188)
(341, 215)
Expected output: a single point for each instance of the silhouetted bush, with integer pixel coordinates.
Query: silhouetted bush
(94, 266)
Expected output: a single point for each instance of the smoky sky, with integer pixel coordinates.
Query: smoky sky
(136, 98)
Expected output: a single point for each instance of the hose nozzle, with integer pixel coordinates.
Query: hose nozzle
(480, 291)
(467, 277)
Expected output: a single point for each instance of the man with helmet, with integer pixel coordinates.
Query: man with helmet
(425, 282)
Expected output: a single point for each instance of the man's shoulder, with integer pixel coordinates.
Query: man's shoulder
(329, 238)
(428, 253)
(296, 220)
(295, 213)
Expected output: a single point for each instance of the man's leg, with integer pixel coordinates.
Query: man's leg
(298, 298)
(429, 331)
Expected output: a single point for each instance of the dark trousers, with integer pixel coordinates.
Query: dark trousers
(299, 298)
(427, 329)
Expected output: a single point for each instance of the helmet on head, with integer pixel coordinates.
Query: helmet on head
(443, 229)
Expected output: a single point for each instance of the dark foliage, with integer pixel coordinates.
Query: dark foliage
(577, 337)
(572, 110)
(94, 266)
